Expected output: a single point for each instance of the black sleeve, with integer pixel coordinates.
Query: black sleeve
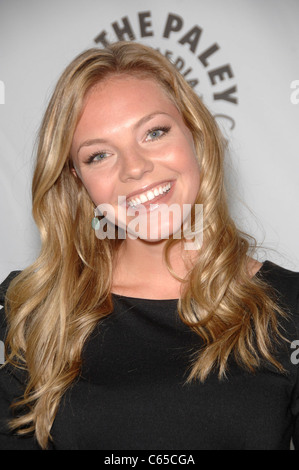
(11, 386)
(286, 285)
(295, 410)
(295, 406)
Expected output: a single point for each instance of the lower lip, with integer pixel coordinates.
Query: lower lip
(154, 203)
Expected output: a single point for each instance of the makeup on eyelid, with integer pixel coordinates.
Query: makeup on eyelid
(164, 129)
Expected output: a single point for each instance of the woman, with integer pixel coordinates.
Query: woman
(130, 338)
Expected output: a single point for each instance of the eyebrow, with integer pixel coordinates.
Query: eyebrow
(139, 123)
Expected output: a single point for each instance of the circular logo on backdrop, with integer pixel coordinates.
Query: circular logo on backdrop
(200, 63)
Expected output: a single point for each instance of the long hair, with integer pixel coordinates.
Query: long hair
(53, 305)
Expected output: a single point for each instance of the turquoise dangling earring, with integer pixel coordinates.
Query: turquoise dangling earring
(95, 223)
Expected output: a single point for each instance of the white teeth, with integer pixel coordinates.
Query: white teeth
(145, 197)
(150, 195)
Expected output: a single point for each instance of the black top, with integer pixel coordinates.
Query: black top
(132, 394)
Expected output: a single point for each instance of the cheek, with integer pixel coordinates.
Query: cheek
(188, 165)
(194, 183)
(191, 174)
(99, 191)
(194, 168)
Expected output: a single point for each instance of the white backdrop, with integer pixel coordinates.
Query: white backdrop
(241, 56)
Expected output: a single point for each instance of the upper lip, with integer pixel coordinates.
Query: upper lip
(147, 187)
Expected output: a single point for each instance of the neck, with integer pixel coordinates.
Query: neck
(140, 267)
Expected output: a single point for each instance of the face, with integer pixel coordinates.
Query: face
(133, 153)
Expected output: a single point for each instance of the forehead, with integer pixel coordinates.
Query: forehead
(119, 101)
(126, 87)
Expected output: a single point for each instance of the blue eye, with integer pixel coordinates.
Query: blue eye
(157, 133)
(96, 157)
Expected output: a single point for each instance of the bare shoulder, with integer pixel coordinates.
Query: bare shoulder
(253, 266)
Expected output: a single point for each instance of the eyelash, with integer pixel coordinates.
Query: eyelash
(165, 131)
(93, 155)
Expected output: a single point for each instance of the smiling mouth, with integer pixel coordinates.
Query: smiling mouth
(151, 195)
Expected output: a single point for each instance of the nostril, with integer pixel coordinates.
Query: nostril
(134, 166)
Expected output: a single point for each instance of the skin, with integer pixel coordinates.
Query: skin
(116, 153)
(130, 157)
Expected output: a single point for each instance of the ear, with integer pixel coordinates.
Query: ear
(73, 170)
(76, 172)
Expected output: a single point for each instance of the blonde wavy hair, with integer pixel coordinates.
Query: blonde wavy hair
(53, 305)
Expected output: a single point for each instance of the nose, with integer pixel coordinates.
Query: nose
(134, 164)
